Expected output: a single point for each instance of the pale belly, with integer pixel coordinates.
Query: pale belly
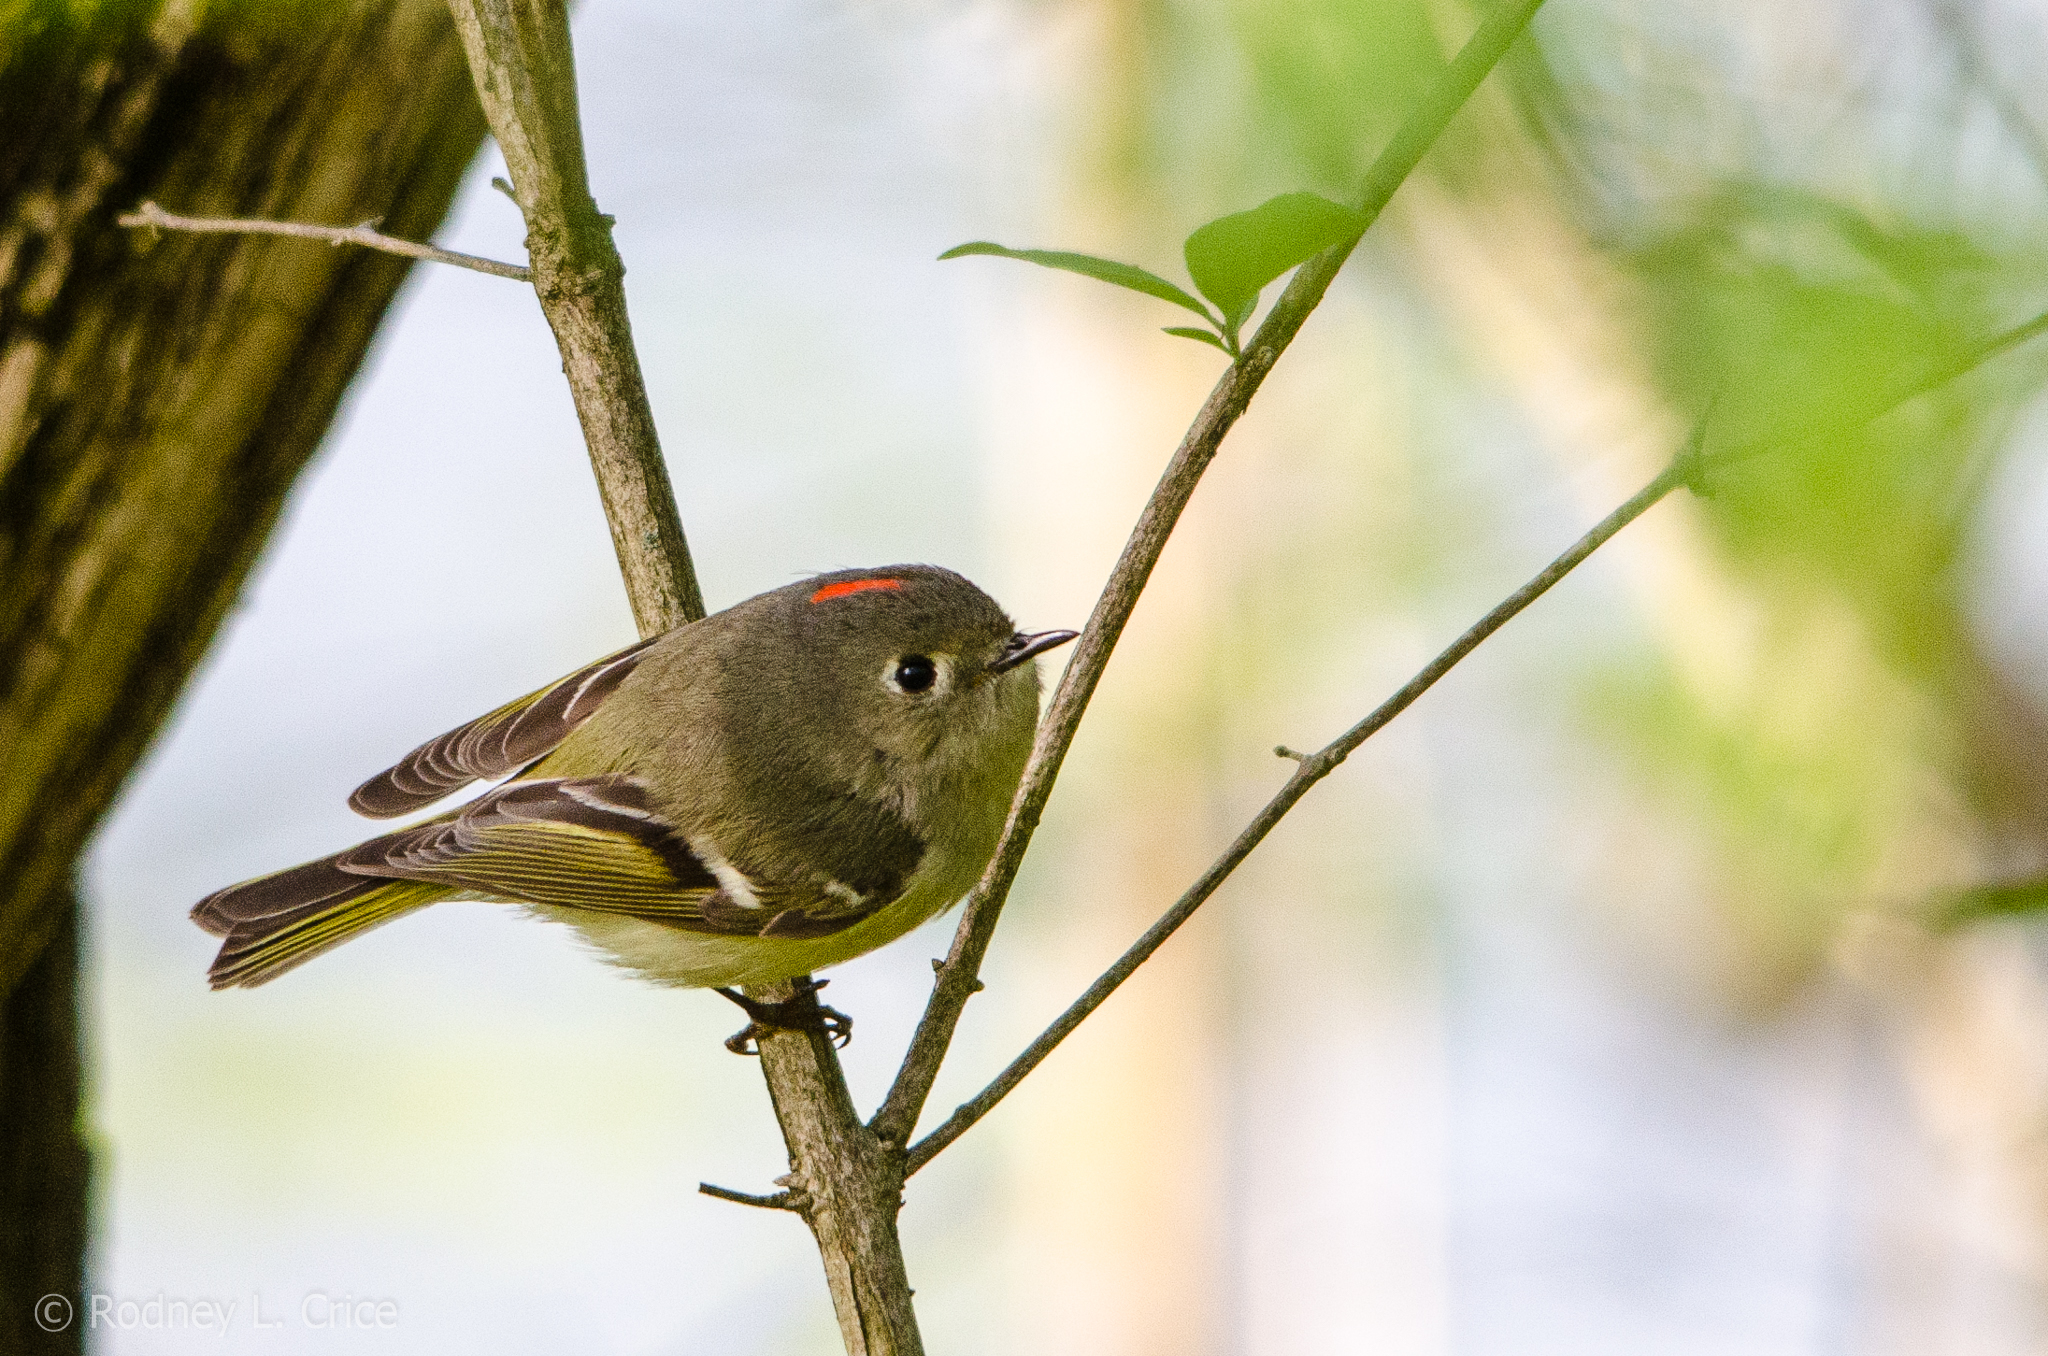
(696, 960)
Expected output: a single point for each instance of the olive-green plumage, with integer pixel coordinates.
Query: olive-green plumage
(782, 786)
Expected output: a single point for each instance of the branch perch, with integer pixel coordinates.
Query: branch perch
(846, 1179)
(846, 1185)
(366, 235)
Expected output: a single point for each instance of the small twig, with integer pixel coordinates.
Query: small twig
(957, 979)
(781, 1200)
(1314, 767)
(366, 235)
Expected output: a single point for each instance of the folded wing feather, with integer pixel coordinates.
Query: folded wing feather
(498, 743)
(593, 843)
(577, 842)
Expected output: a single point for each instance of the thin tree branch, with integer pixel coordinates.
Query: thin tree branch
(1691, 468)
(1311, 769)
(781, 1200)
(958, 977)
(525, 74)
(847, 1186)
(366, 235)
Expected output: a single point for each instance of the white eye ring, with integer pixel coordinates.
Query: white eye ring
(917, 675)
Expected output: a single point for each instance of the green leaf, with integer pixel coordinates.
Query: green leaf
(1232, 257)
(1087, 265)
(1235, 321)
(1205, 336)
(1991, 901)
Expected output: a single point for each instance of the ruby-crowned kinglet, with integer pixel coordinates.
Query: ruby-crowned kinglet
(779, 787)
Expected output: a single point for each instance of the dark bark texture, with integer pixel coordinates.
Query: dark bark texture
(44, 1167)
(158, 397)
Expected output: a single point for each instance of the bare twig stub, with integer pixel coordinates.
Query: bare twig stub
(365, 235)
(781, 1200)
(848, 1186)
(957, 979)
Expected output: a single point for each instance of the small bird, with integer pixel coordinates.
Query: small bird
(744, 799)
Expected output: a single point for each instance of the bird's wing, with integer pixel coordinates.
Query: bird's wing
(584, 842)
(597, 843)
(501, 742)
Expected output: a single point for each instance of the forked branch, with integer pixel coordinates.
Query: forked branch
(1691, 468)
(846, 1178)
(1309, 769)
(959, 975)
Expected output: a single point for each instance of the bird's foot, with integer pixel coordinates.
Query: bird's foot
(803, 1012)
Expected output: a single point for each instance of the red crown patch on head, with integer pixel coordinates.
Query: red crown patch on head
(846, 586)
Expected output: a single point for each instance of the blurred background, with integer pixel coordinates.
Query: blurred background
(1590, 1008)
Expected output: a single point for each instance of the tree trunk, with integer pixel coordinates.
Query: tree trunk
(158, 397)
(44, 1169)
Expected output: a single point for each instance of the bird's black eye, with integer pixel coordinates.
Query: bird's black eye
(916, 673)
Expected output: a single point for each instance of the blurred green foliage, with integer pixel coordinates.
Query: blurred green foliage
(1331, 79)
(1211, 105)
(1851, 769)
(1796, 248)
(1797, 319)
(1991, 901)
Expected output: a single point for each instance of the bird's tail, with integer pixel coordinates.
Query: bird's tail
(277, 923)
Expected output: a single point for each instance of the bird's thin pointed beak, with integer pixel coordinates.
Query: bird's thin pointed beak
(1025, 647)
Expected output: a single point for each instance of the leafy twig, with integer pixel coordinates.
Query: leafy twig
(1231, 259)
(366, 235)
(958, 977)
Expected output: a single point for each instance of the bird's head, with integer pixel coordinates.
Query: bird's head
(919, 674)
